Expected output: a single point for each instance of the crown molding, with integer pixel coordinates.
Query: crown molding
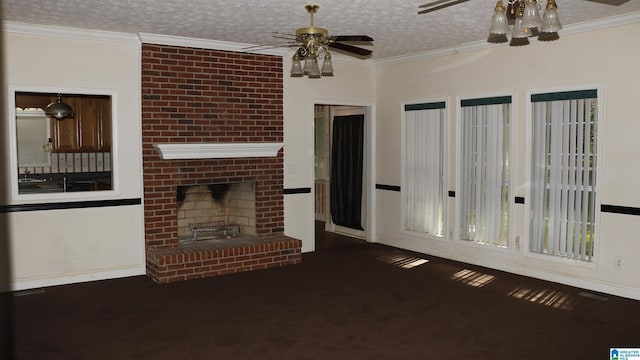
(604, 23)
(619, 20)
(70, 33)
(147, 38)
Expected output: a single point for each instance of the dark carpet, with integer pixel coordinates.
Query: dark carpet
(347, 300)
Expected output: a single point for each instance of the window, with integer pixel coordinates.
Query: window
(423, 187)
(61, 155)
(485, 173)
(563, 174)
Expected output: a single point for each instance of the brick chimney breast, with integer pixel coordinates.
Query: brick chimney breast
(203, 96)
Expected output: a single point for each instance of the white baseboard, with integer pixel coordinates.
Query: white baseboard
(35, 283)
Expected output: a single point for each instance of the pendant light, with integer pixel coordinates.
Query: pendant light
(59, 109)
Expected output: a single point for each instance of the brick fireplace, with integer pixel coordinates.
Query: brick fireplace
(199, 99)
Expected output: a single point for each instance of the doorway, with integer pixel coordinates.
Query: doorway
(340, 183)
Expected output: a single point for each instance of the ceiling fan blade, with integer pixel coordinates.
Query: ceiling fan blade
(285, 38)
(437, 5)
(350, 48)
(351, 38)
(281, 34)
(266, 47)
(610, 2)
(433, 3)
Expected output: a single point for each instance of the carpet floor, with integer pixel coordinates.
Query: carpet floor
(347, 300)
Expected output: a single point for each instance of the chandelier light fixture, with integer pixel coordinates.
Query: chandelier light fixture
(521, 19)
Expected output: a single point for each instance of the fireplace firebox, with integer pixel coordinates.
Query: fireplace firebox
(216, 211)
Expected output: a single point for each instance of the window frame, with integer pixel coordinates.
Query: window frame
(14, 195)
(509, 247)
(444, 146)
(526, 243)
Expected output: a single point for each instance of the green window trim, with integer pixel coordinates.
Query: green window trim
(565, 95)
(425, 106)
(486, 101)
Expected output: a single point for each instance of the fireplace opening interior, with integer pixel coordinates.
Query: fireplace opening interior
(216, 211)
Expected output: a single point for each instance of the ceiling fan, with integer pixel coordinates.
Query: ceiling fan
(437, 5)
(313, 43)
(321, 36)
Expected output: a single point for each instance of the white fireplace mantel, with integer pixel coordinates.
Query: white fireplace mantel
(169, 151)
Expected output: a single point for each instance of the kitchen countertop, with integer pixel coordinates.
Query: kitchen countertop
(54, 183)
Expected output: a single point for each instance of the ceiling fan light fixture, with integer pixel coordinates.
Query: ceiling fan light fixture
(313, 44)
(59, 109)
(524, 15)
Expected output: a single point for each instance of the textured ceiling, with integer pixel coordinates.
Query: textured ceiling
(395, 25)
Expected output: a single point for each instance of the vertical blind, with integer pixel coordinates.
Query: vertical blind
(484, 182)
(423, 187)
(563, 174)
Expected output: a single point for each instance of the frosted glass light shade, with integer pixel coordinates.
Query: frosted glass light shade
(327, 66)
(499, 22)
(531, 18)
(550, 20)
(311, 68)
(307, 65)
(519, 31)
(296, 66)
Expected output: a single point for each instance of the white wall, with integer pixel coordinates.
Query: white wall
(52, 247)
(352, 84)
(606, 59)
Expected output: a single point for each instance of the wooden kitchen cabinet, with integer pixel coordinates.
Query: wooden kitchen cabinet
(64, 132)
(90, 128)
(104, 126)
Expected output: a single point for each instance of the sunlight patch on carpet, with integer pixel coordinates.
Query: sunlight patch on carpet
(550, 298)
(403, 261)
(473, 278)
(593, 296)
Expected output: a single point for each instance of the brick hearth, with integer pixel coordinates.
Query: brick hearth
(220, 257)
(209, 96)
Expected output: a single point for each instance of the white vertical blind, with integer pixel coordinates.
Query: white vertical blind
(484, 183)
(423, 187)
(563, 174)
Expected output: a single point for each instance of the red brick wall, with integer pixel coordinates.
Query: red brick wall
(200, 95)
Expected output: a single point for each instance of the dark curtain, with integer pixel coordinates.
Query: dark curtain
(346, 171)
